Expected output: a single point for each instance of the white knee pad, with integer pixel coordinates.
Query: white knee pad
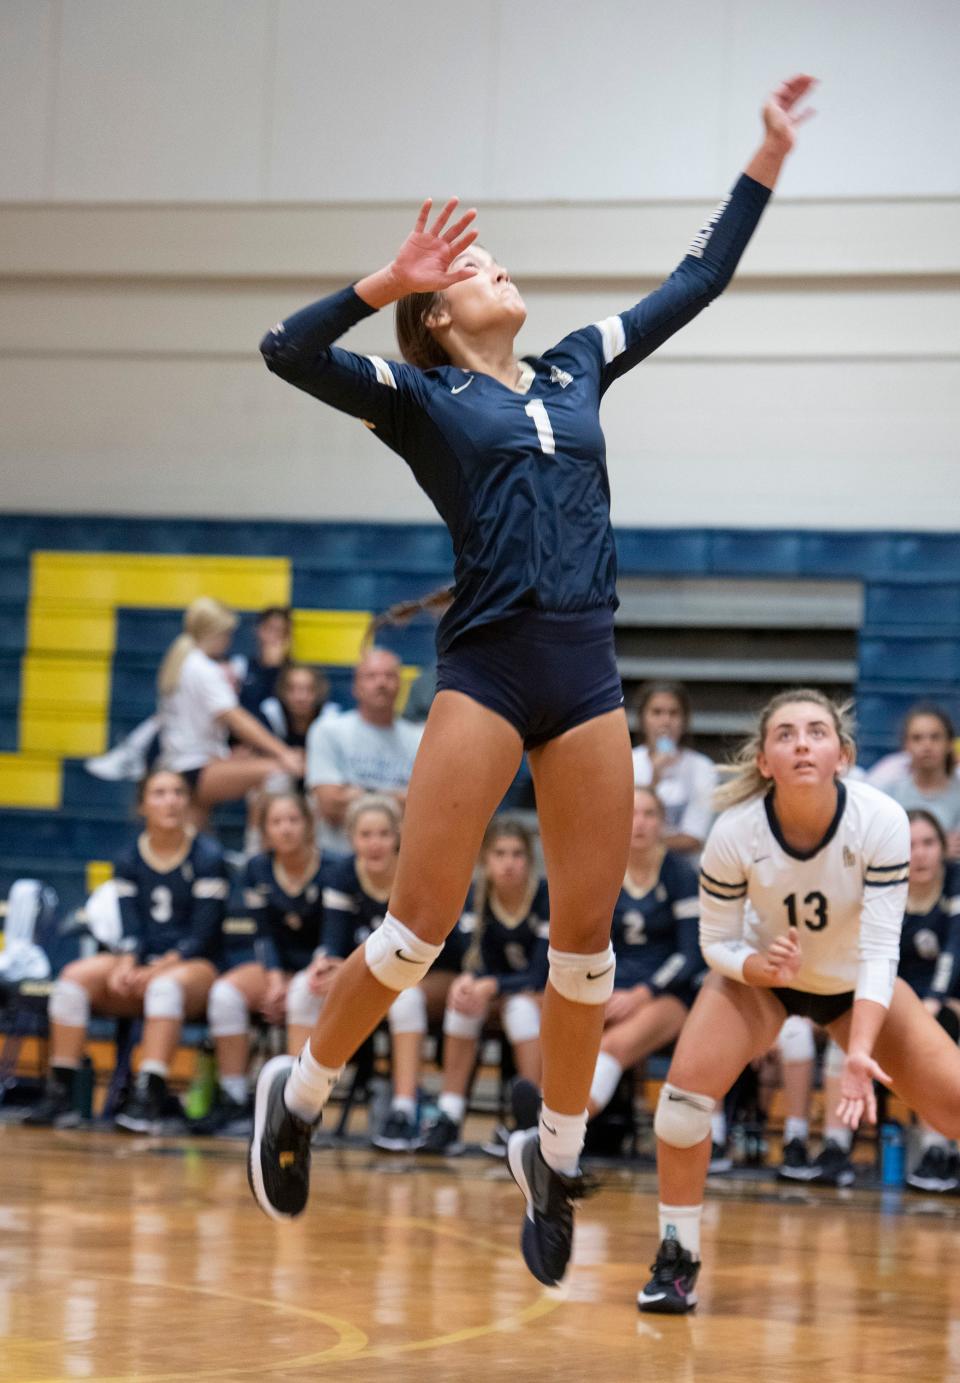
(461, 1024)
(796, 1040)
(227, 1012)
(69, 1004)
(396, 956)
(408, 1012)
(683, 1119)
(303, 1007)
(834, 1059)
(163, 998)
(583, 979)
(521, 1018)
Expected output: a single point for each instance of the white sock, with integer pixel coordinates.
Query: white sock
(309, 1086)
(839, 1134)
(682, 1222)
(795, 1128)
(718, 1127)
(606, 1078)
(150, 1067)
(237, 1087)
(453, 1106)
(561, 1138)
(403, 1104)
(932, 1139)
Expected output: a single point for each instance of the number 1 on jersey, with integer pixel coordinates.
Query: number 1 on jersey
(536, 410)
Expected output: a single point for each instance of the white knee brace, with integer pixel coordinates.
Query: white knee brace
(582, 979)
(303, 1007)
(461, 1024)
(683, 1118)
(796, 1040)
(227, 1012)
(408, 1012)
(396, 956)
(834, 1059)
(69, 1004)
(163, 998)
(521, 1018)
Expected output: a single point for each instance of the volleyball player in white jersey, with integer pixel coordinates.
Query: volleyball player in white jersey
(802, 891)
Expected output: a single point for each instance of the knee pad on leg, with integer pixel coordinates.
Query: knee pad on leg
(520, 1016)
(583, 979)
(163, 998)
(408, 1012)
(227, 1012)
(796, 1040)
(948, 1020)
(396, 956)
(69, 1004)
(683, 1118)
(834, 1059)
(461, 1024)
(303, 1007)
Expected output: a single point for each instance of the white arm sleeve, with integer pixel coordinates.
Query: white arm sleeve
(887, 864)
(723, 889)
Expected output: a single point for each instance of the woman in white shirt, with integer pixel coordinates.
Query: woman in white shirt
(199, 708)
(683, 780)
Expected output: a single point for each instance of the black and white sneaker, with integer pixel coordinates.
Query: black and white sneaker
(225, 1117)
(832, 1166)
(496, 1144)
(399, 1133)
(440, 1136)
(546, 1239)
(145, 1108)
(936, 1170)
(796, 1163)
(55, 1107)
(671, 1290)
(720, 1159)
(278, 1160)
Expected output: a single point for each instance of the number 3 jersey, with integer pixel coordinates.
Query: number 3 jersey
(172, 905)
(846, 897)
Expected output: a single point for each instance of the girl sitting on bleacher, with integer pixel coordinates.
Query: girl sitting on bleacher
(172, 888)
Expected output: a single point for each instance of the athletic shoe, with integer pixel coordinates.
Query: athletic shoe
(832, 1166)
(496, 1144)
(720, 1159)
(936, 1170)
(54, 1109)
(441, 1136)
(225, 1116)
(671, 1289)
(278, 1159)
(546, 1239)
(796, 1164)
(144, 1110)
(125, 763)
(399, 1133)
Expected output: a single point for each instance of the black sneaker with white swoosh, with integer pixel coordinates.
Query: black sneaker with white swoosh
(671, 1290)
(546, 1239)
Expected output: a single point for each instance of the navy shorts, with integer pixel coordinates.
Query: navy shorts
(822, 1008)
(542, 671)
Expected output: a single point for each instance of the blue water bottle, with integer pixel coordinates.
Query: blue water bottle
(892, 1154)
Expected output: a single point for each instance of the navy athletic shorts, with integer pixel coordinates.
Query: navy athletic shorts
(542, 671)
(822, 1008)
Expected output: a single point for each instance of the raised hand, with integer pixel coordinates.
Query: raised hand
(781, 117)
(422, 264)
(857, 1095)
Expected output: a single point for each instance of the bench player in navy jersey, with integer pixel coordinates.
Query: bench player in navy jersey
(172, 889)
(283, 895)
(655, 923)
(507, 918)
(511, 454)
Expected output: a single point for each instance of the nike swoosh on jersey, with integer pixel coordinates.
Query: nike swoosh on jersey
(599, 973)
(460, 387)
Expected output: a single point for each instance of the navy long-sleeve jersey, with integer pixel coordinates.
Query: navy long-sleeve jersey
(655, 933)
(176, 908)
(511, 950)
(354, 910)
(930, 943)
(519, 479)
(289, 920)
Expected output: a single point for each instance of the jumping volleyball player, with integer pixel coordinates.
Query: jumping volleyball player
(511, 453)
(803, 885)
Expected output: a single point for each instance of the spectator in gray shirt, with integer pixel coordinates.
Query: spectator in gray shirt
(368, 749)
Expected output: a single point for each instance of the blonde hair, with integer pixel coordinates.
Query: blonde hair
(202, 618)
(745, 779)
(373, 802)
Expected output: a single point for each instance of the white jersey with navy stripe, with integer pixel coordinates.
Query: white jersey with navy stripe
(846, 898)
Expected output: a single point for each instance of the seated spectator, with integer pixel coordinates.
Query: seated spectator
(655, 922)
(172, 889)
(355, 901)
(199, 708)
(364, 750)
(287, 971)
(299, 698)
(257, 676)
(928, 784)
(683, 779)
(505, 973)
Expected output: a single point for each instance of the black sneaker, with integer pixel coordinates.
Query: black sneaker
(440, 1135)
(496, 1144)
(145, 1109)
(278, 1161)
(55, 1108)
(832, 1166)
(399, 1133)
(546, 1239)
(936, 1170)
(796, 1164)
(671, 1289)
(226, 1116)
(720, 1159)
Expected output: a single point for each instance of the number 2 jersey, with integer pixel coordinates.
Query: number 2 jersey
(655, 932)
(846, 896)
(172, 905)
(519, 479)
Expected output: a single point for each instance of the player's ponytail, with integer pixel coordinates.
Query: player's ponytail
(435, 602)
(745, 779)
(203, 618)
(417, 343)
